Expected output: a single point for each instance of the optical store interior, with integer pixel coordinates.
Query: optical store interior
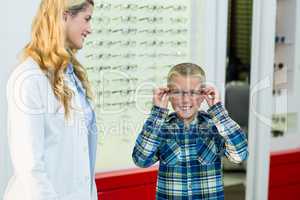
(248, 49)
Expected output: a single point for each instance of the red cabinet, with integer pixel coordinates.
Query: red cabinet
(284, 179)
(133, 184)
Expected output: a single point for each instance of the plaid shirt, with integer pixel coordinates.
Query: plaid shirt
(190, 157)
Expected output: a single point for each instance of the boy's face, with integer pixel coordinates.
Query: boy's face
(185, 96)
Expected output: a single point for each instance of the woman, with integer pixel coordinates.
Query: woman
(52, 127)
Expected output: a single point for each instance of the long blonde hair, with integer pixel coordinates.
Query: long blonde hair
(47, 48)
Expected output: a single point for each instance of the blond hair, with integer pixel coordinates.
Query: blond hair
(47, 47)
(187, 70)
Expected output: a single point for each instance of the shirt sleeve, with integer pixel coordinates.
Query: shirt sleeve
(145, 152)
(236, 147)
(26, 135)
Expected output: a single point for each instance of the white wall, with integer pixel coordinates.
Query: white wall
(15, 20)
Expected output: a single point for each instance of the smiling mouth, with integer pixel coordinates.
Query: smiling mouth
(185, 108)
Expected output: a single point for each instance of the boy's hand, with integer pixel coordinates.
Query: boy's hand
(211, 95)
(161, 97)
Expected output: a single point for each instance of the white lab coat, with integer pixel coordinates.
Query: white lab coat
(50, 156)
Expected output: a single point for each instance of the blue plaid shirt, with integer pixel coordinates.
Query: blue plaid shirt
(190, 157)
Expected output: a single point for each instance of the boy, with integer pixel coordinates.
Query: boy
(189, 143)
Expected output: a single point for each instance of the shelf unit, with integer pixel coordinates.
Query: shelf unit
(286, 107)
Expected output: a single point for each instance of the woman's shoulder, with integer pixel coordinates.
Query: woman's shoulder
(27, 75)
(27, 68)
(29, 64)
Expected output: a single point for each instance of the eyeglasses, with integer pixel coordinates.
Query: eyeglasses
(110, 56)
(134, 19)
(134, 31)
(125, 43)
(137, 7)
(107, 56)
(159, 55)
(164, 43)
(103, 43)
(104, 6)
(123, 68)
(181, 93)
(125, 80)
(132, 43)
(114, 106)
(178, 19)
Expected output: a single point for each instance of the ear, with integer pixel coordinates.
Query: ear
(65, 15)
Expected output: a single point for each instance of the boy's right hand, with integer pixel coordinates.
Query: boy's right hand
(161, 97)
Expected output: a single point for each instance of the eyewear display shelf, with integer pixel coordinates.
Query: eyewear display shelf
(133, 46)
(286, 93)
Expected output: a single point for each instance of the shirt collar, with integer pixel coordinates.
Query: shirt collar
(201, 116)
(70, 69)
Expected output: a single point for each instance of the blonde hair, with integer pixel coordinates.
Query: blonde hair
(186, 69)
(47, 47)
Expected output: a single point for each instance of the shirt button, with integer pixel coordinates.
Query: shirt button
(190, 186)
(85, 149)
(87, 179)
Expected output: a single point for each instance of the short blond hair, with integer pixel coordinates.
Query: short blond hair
(186, 69)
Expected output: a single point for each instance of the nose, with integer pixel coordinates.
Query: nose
(185, 98)
(89, 29)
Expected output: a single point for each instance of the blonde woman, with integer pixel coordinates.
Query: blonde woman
(52, 128)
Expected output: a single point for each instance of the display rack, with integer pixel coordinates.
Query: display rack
(285, 119)
(133, 46)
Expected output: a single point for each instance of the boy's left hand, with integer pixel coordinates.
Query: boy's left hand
(211, 95)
